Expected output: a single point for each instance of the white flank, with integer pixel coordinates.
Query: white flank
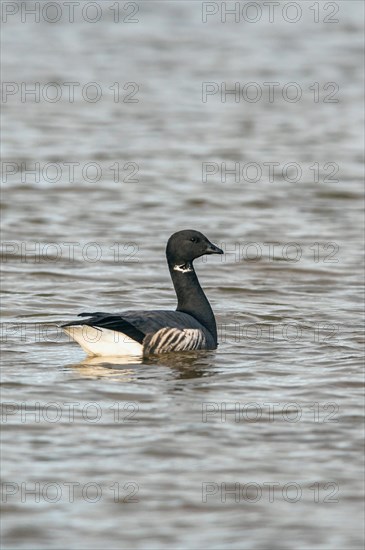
(102, 341)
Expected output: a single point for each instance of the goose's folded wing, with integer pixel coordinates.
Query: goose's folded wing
(137, 324)
(111, 322)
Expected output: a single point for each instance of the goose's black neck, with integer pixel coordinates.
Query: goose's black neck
(190, 296)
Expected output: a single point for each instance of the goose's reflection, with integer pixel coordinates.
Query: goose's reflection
(193, 364)
(127, 369)
(114, 368)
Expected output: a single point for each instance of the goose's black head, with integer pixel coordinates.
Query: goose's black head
(185, 246)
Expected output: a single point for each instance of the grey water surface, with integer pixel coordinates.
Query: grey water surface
(257, 445)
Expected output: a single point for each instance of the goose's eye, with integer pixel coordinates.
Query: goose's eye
(194, 240)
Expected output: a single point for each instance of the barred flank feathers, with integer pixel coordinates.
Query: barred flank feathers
(168, 339)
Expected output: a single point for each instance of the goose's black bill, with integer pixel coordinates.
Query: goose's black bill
(213, 249)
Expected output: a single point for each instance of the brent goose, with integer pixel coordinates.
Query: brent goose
(135, 333)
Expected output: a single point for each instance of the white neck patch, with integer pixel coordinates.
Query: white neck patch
(183, 268)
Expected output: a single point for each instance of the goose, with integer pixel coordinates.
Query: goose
(190, 327)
